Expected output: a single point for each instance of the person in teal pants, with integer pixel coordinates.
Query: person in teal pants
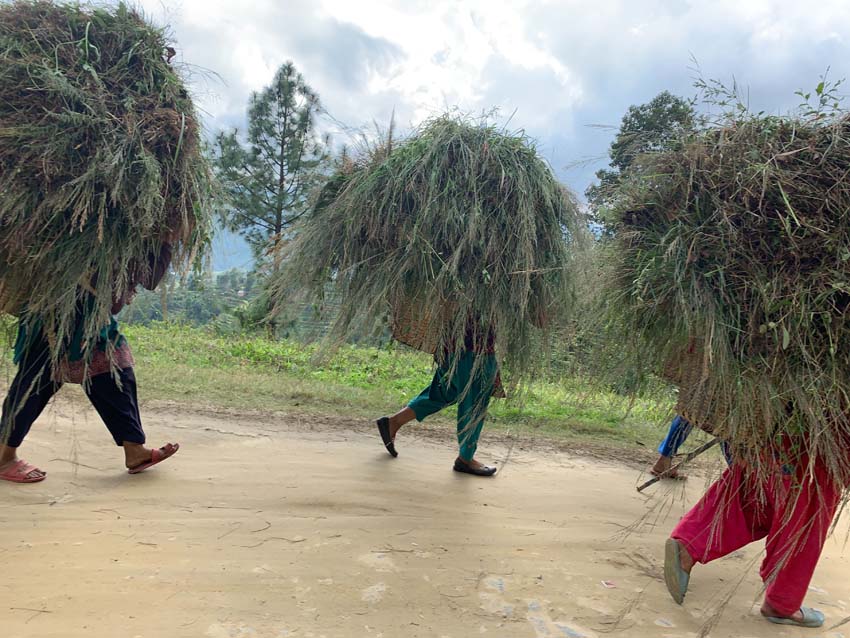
(467, 378)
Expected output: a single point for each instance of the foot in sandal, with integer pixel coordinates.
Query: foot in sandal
(140, 458)
(19, 471)
(803, 617)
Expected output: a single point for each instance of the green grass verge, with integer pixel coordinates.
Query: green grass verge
(195, 366)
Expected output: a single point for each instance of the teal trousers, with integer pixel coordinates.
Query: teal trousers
(472, 398)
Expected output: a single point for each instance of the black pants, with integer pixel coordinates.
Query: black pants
(32, 387)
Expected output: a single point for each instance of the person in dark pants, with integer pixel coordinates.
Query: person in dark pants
(108, 380)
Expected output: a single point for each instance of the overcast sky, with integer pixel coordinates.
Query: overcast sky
(565, 71)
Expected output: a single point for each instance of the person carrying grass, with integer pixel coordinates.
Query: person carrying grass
(105, 371)
(467, 377)
(788, 501)
(457, 231)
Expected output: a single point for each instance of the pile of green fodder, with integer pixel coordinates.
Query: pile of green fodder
(734, 265)
(460, 232)
(100, 160)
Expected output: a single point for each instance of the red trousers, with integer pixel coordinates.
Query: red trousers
(792, 512)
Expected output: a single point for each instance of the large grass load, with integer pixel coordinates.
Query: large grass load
(100, 159)
(734, 264)
(459, 226)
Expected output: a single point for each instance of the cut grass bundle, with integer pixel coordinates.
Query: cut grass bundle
(460, 231)
(734, 265)
(100, 160)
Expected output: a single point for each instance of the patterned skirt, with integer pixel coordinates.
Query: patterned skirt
(100, 363)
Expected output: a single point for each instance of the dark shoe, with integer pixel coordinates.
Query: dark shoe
(461, 466)
(384, 429)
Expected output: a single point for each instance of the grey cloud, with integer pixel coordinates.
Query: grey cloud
(618, 67)
(337, 59)
(620, 53)
(345, 55)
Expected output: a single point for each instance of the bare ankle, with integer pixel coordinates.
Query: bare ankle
(662, 465)
(685, 559)
(7, 454)
(134, 453)
(769, 610)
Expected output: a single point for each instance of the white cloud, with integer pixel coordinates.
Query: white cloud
(556, 66)
(447, 49)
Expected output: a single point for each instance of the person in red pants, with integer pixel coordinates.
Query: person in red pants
(792, 509)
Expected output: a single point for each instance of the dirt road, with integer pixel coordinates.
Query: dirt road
(276, 526)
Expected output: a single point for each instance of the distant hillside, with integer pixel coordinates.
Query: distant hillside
(229, 250)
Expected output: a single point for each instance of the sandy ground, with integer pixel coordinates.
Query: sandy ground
(274, 526)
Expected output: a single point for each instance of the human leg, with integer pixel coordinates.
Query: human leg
(28, 395)
(116, 401)
(803, 511)
(678, 432)
(474, 380)
(729, 516)
(432, 399)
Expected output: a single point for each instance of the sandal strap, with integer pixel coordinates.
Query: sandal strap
(22, 468)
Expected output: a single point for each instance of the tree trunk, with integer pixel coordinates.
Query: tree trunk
(163, 300)
(271, 323)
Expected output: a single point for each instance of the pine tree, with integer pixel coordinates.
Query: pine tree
(269, 172)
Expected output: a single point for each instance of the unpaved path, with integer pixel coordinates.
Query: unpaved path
(273, 526)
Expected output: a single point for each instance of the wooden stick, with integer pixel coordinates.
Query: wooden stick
(688, 457)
